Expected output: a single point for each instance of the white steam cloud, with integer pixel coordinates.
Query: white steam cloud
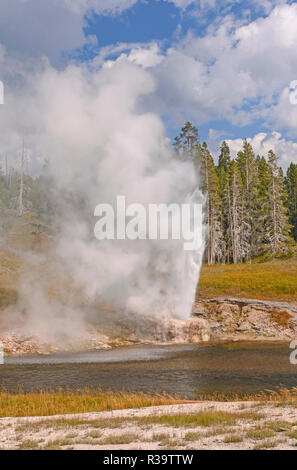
(100, 143)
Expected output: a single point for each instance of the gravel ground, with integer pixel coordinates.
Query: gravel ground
(248, 425)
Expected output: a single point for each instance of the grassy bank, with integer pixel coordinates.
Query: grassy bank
(270, 423)
(63, 402)
(275, 280)
(87, 401)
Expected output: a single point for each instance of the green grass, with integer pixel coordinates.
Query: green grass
(192, 436)
(233, 439)
(203, 418)
(119, 440)
(260, 434)
(265, 445)
(274, 280)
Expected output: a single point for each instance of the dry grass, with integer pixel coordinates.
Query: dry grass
(265, 445)
(275, 280)
(119, 440)
(9, 269)
(279, 426)
(260, 434)
(233, 438)
(281, 397)
(85, 401)
(192, 436)
(203, 418)
(63, 402)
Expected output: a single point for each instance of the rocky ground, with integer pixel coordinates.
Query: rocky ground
(217, 319)
(207, 425)
(231, 318)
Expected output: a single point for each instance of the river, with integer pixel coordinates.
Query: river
(183, 370)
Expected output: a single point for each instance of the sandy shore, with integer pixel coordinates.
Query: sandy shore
(205, 425)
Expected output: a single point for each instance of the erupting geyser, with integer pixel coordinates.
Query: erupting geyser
(100, 143)
(111, 148)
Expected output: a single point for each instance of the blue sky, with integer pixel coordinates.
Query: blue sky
(144, 22)
(165, 23)
(160, 20)
(224, 65)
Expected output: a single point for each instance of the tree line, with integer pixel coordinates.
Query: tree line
(250, 209)
(251, 206)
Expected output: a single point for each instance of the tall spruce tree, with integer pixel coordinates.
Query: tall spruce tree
(213, 207)
(277, 225)
(264, 178)
(291, 184)
(223, 171)
(187, 143)
(238, 230)
(247, 166)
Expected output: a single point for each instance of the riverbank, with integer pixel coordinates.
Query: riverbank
(213, 320)
(207, 425)
(246, 302)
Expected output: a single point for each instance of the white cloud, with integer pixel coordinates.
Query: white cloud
(184, 3)
(239, 72)
(99, 6)
(263, 142)
(202, 6)
(34, 28)
(146, 56)
(236, 72)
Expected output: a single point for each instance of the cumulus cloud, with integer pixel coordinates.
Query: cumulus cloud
(146, 56)
(237, 72)
(35, 28)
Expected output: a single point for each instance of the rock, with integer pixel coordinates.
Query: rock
(193, 330)
(214, 325)
(230, 317)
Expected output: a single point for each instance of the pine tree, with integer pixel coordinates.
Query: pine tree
(247, 166)
(223, 171)
(238, 233)
(277, 226)
(213, 207)
(250, 205)
(224, 158)
(291, 185)
(187, 144)
(263, 202)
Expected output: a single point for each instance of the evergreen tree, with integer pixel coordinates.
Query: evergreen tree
(224, 158)
(277, 227)
(250, 205)
(187, 144)
(213, 207)
(291, 185)
(238, 231)
(247, 166)
(223, 171)
(263, 202)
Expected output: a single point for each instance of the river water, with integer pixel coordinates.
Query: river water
(183, 370)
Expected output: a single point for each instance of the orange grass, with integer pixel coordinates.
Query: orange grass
(84, 401)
